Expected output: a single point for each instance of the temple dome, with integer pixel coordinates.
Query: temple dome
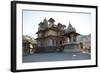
(51, 20)
(45, 22)
(43, 25)
(70, 29)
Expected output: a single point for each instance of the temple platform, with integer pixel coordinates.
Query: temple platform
(71, 47)
(67, 47)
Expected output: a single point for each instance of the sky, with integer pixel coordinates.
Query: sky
(31, 19)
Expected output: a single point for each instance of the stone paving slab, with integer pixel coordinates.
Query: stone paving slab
(64, 56)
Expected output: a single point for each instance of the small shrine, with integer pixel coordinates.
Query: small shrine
(71, 43)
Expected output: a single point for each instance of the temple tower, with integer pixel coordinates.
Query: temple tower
(70, 44)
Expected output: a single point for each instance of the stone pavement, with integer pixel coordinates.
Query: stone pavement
(62, 56)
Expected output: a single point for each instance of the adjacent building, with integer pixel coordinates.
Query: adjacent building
(29, 45)
(85, 40)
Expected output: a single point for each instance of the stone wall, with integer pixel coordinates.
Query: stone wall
(46, 49)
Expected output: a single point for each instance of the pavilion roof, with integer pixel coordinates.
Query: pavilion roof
(51, 20)
(70, 29)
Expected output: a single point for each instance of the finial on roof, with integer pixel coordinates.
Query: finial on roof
(45, 18)
(70, 26)
(69, 22)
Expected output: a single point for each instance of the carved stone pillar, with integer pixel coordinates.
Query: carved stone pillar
(72, 38)
(68, 40)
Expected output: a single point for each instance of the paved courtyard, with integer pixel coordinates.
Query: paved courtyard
(63, 56)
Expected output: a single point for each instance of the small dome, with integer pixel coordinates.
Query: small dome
(59, 24)
(70, 29)
(51, 20)
(43, 25)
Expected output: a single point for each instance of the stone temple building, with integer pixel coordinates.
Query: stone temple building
(53, 37)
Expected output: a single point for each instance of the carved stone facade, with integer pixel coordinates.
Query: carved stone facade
(51, 36)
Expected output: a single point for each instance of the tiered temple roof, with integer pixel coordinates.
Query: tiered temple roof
(43, 26)
(70, 29)
(51, 20)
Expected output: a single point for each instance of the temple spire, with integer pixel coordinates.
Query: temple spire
(45, 22)
(70, 26)
(69, 22)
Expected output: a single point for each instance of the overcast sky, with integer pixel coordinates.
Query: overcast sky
(31, 19)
